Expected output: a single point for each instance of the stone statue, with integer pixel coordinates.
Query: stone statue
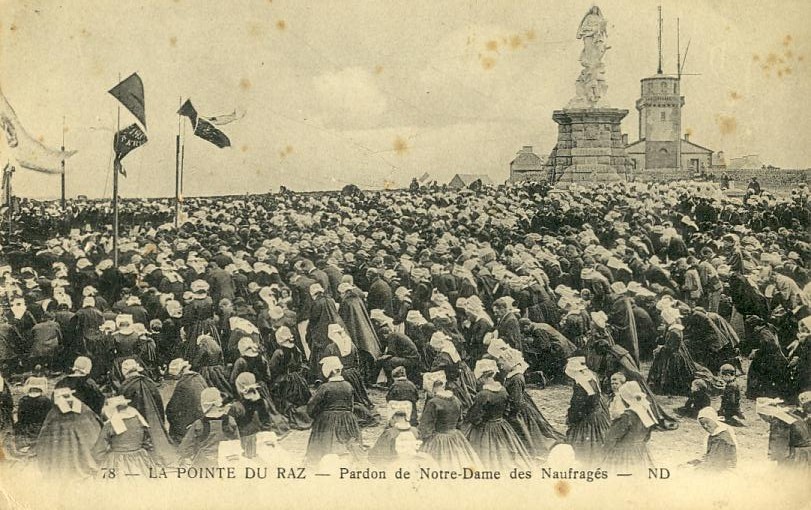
(590, 85)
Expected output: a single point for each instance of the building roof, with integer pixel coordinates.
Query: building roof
(638, 147)
(688, 147)
(525, 159)
(467, 179)
(750, 162)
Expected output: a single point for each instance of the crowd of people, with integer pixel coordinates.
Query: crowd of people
(272, 313)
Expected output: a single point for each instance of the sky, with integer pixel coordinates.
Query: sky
(375, 92)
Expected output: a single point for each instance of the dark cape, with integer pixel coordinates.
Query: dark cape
(85, 389)
(183, 407)
(65, 444)
(145, 397)
(322, 314)
(288, 387)
(537, 434)
(357, 323)
(625, 363)
(622, 318)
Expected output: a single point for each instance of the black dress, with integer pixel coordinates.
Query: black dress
(493, 439)
(588, 421)
(673, 368)
(128, 452)
(351, 373)
(288, 387)
(626, 444)
(456, 383)
(208, 362)
(537, 434)
(441, 439)
(31, 414)
(335, 429)
(198, 319)
(258, 366)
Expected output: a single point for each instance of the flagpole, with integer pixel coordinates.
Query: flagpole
(63, 163)
(182, 158)
(115, 186)
(177, 167)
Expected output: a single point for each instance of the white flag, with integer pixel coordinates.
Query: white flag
(26, 151)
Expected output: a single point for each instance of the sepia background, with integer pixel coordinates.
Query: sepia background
(375, 93)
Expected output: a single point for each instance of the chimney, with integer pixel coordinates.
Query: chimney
(686, 137)
(625, 140)
(527, 148)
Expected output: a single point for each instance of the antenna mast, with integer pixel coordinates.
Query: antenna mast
(678, 49)
(659, 71)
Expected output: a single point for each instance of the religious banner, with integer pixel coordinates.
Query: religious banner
(130, 93)
(127, 140)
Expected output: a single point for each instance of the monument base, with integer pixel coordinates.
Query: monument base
(589, 147)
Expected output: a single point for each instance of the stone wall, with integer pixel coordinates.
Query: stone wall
(662, 175)
(779, 179)
(783, 179)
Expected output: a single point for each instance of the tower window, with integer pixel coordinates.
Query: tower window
(662, 116)
(664, 86)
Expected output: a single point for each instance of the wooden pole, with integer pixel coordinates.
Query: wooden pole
(678, 97)
(177, 169)
(62, 201)
(182, 159)
(115, 187)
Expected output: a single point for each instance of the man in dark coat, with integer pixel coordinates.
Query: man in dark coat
(401, 351)
(322, 313)
(222, 285)
(302, 303)
(334, 274)
(507, 324)
(380, 294)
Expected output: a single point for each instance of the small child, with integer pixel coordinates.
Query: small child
(384, 451)
(699, 399)
(403, 389)
(731, 398)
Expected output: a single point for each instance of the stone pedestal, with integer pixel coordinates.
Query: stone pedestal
(589, 147)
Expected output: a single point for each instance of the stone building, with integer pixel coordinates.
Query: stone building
(527, 166)
(660, 151)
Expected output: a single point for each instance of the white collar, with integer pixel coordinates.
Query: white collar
(493, 386)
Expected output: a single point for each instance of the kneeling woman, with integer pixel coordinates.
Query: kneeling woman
(441, 438)
(626, 440)
(588, 412)
(537, 434)
(124, 444)
(335, 429)
(497, 444)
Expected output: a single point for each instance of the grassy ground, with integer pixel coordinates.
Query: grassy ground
(668, 449)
